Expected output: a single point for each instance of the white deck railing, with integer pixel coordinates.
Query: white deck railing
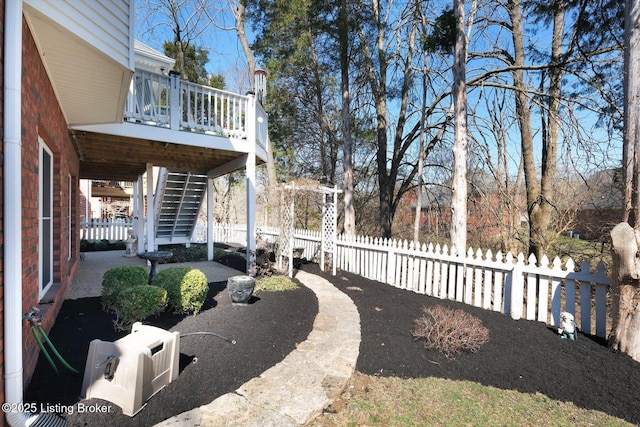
(167, 101)
(515, 286)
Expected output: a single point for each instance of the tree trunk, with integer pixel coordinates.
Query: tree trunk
(459, 201)
(625, 287)
(239, 13)
(631, 145)
(347, 142)
(523, 115)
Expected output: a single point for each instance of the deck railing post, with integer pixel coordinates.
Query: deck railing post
(175, 113)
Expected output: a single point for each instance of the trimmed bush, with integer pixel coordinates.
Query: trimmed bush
(186, 288)
(117, 279)
(181, 253)
(101, 245)
(137, 303)
(450, 331)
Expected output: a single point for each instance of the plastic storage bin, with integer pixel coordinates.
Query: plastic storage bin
(129, 371)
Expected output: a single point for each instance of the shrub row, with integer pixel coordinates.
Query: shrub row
(101, 245)
(125, 292)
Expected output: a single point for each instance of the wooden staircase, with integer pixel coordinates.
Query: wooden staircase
(178, 199)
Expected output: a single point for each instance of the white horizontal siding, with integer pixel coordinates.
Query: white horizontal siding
(107, 25)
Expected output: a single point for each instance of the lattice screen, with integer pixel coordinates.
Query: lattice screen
(328, 230)
(287, 224)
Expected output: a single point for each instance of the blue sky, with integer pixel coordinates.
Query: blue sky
(225, 52)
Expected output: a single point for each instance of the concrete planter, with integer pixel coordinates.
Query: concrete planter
(241, 289)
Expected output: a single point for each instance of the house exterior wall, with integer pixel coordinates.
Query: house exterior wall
(42, 118)
(104, 24)
(596, 224)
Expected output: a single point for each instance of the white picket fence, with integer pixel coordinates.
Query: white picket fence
(515, 286)
(108, 229)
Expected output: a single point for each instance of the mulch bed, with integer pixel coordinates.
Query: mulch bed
(265, 331)
(522, 355)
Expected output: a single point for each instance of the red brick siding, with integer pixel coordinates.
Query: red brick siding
(42, 117)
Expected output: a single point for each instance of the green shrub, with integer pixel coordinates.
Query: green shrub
(137, 303)
(117, 279)
(275, 283)
(186, 288)
(181, 253)
(219, 253)
(101, 245)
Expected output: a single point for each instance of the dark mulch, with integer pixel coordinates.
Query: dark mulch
(265, 331)
(521, 355)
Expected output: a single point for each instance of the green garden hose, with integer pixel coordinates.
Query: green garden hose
(44, 350)
(38, 329)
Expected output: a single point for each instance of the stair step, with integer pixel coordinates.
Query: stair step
(179, 208)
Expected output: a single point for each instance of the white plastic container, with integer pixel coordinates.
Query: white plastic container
(129, 371)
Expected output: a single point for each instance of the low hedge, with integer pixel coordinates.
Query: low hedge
(101, 245)
(137, 303)
(117, 279)
(186, 288)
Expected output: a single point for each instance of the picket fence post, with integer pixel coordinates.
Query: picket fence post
(517, 289)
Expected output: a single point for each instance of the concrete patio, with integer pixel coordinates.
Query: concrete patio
(88, 282)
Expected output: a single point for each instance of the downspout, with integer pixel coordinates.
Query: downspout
(12, 147)
(13, 208)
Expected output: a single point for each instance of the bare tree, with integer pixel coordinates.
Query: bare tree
(238, 7)
(380, 52)
(187, 21)
(459, 183)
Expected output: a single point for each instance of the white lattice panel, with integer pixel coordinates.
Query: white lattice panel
(328, 227)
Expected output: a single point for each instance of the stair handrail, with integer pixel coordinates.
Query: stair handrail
(161, 185)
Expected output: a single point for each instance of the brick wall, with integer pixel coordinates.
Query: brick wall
(42, 118)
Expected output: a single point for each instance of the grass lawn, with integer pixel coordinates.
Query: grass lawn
(381, 401)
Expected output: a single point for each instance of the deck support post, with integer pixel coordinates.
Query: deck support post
(151, 243)
(210, 236)
(250, 170)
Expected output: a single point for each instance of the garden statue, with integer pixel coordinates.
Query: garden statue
(567, 327)
(130, 250)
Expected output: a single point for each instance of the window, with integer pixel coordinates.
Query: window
(45, 218)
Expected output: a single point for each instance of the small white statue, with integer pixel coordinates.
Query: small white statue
(567, 328)
(130, 250)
